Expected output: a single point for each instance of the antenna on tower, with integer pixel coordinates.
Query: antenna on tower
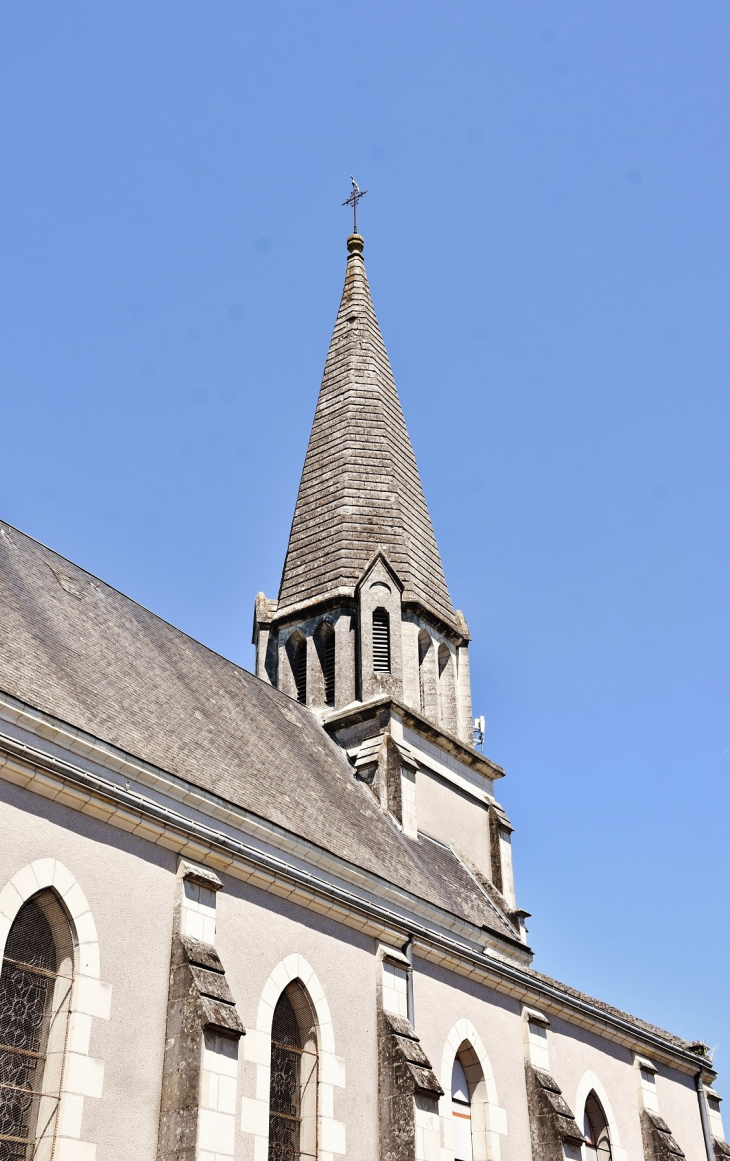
(478, 732)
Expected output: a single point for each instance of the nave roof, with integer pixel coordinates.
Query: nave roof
(75, 648)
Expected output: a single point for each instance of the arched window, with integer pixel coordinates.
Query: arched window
(324, 640)
(35, 999)
(461, 1113)
(297, 650)
(381, 641)
(293, 1093)
(595, 1127)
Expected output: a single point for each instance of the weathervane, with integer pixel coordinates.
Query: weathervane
(353, 199)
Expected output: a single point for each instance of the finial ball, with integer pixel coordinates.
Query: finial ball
(355, 243)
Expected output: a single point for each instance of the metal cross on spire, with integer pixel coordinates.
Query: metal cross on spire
(353, 199)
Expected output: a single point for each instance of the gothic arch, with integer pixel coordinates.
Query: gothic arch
(295, 967)
(50, 874)
(257, 1048)
(590, 1083)
(296, 651)
(57, 890)
(489, 1121)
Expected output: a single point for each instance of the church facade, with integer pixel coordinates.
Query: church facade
(272, 917)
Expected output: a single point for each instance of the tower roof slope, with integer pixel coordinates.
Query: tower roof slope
(360, 489)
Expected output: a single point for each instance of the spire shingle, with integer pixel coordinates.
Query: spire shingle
(360, 490)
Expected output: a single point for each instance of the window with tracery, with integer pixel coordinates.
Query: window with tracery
(35, 994)
(595, 1127)
(293, 1094)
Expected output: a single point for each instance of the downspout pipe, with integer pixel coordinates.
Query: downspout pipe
(408, 953)
(702, 1098)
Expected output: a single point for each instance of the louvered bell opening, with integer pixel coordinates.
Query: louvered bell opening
(328, 669)
(300, 672)
(381, 641)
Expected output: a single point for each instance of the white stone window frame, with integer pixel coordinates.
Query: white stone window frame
(536, 1025)
(256, 1048)
(589, 1083)
(394, 968)
(714, 1115)
(83, 1075)
(489, 1120)
(646, 1075)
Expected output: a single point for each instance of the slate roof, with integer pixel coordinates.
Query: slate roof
(360, 489)
(696, 1046)
(75, 648)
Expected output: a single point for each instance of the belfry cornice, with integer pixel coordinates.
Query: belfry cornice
(363, 711)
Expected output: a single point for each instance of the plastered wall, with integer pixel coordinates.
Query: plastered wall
(441, 1000)
(447, 814)
(258, 931)
(574, 1053)
(129, 885)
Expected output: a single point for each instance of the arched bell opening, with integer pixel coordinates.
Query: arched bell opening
(324, 642)
(296, 648)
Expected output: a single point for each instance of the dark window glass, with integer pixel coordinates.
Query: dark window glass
(324, 639)
(300, 669)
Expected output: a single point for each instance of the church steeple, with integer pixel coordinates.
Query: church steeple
(364, 632)
(360, 491)
(363, 611)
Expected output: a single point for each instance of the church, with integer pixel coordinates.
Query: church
(272, 916)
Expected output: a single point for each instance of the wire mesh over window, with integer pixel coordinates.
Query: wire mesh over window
(293, 1098)
(381, 641)
(33, 1022)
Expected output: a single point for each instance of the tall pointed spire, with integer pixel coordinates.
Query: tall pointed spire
(360, 490)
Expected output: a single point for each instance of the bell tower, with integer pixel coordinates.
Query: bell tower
(364, 631)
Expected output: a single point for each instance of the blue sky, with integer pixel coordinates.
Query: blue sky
(547, 246)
